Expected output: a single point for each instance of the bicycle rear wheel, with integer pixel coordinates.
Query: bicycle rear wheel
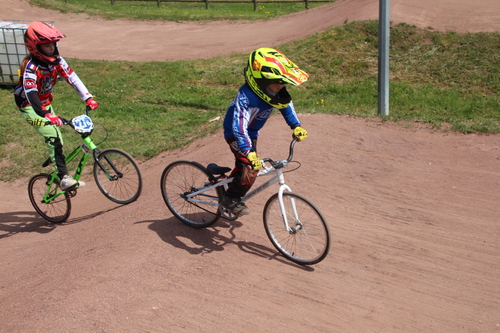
(181, 178)
(309, 240)
(48, 200)
(118, 176)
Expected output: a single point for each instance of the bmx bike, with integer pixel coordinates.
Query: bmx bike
(294, 225)
(116, 174)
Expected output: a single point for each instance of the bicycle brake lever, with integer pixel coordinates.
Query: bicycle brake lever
(264, 170)
(65, 121)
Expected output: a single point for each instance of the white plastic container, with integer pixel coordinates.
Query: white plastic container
(12, 49)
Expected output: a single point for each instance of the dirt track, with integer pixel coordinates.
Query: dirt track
(414, 216)
(90, 38)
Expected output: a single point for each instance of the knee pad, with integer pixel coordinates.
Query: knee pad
(54, 142)
(55, 148)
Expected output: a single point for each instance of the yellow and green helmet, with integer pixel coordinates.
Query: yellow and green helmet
(266, 66)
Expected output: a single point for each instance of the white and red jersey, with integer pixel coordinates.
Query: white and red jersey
(37, 82)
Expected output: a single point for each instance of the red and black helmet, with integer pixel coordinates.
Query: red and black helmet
(42, 33)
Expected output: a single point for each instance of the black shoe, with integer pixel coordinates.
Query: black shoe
(235, 206)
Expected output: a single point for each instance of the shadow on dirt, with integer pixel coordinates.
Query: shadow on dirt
(211, 239)
(12, 223)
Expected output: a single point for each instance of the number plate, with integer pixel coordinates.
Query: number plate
(83, 124)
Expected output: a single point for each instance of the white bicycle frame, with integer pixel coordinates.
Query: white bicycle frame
(265, 171)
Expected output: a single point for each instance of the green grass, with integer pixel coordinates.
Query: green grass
(446, 80)
(175, 11)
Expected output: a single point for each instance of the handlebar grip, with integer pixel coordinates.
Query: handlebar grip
(65, 122)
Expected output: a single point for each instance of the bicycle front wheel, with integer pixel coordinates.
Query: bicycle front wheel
(307, 241)
(48, 200)
(179, 181)
(118, 176)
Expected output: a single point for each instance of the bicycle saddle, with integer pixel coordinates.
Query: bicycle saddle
(214, 169)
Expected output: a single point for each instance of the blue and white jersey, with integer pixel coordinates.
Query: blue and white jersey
(248, 113)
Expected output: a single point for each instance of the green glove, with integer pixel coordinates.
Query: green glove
(254, 160)
(299, 133)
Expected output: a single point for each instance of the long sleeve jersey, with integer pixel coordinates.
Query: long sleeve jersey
(37, 82)
(248, 113)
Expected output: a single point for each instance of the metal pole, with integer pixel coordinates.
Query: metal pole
(383, 58)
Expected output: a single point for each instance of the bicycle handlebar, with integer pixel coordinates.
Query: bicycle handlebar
(281, 163)
(68, 122)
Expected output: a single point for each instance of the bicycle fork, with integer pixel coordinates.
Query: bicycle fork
(90, 146)
(284, 215)
(117, 172)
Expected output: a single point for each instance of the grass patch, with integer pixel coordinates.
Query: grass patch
(175, 11)
(148, 107)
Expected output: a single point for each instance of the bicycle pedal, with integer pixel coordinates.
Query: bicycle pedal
(71, 192)
(227, 214)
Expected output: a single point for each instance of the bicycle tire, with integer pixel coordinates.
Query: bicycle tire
(56, 210)
(310, 244)
(120, 178)
(181, 178)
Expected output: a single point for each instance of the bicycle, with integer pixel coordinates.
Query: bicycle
(116, 173)
(294, 225)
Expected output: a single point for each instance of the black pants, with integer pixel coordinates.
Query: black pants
(57, 155)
